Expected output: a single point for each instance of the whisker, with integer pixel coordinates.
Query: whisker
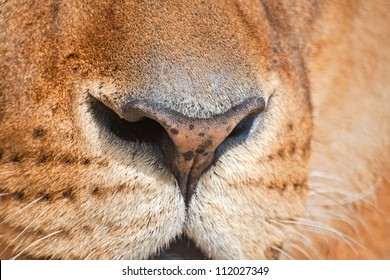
(321, 228)
(4, 194)
(22, 239)
(35, 242)
(337, 201)
(20, 234)
(347, 219)
(300, 249)
(306, 240)
(301, 238)
(344, 212)
(324, 175)
(326, 188)
(280, 232)
(25, 207)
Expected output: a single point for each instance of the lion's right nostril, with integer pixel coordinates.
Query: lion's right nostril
(145, 130)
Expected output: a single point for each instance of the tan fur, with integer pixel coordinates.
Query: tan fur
(70, 189)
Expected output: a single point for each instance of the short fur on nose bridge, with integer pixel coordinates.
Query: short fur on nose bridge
(189, 143)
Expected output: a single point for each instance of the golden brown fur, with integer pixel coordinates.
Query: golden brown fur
(311, 182)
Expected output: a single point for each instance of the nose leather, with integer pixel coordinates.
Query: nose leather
(189, 144)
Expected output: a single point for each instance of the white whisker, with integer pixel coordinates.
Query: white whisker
(4, 194)
(35, 242)
(337, 201)
(300, 249)
(20, 234)
(326, 188)
(324, 175)
(329, 215)
(25, 207)
(321, 228)
(305, 239)
(280, 232)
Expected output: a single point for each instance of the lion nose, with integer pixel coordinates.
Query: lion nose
(189, 144)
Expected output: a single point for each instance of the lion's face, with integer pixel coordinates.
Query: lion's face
(130, 128)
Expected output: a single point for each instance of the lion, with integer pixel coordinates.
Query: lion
(194, 129)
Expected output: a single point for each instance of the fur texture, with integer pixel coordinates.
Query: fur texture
(71, 189)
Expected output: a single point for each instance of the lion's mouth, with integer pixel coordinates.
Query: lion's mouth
(182, 248)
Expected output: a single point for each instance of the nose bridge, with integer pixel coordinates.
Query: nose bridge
(178, 52)
(197, 87)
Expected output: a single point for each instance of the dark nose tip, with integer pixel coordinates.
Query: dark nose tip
(189, 144)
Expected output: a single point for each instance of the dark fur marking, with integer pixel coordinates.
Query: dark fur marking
(188, 155)
(87, 229)
(191, 127)
(86, 161)
(38, 132)
(174, 131)
(296, 186)
(67, 160)
(95, 191)
(292, 149)
(19, 195)
(16, 158)
(305, 149)
(281, 153)
(67, 193)
(201, 134)
(72, 55)
(290, 127)
(206, 144)
(102, 163)
(43, 157)
(1, 153)
(121, 188)
(271, 186)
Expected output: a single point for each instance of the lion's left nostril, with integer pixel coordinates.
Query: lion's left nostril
(243, 129)
(240, 133)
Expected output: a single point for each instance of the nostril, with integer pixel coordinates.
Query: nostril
(242, 129)
(144, 130)
(239, 134)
